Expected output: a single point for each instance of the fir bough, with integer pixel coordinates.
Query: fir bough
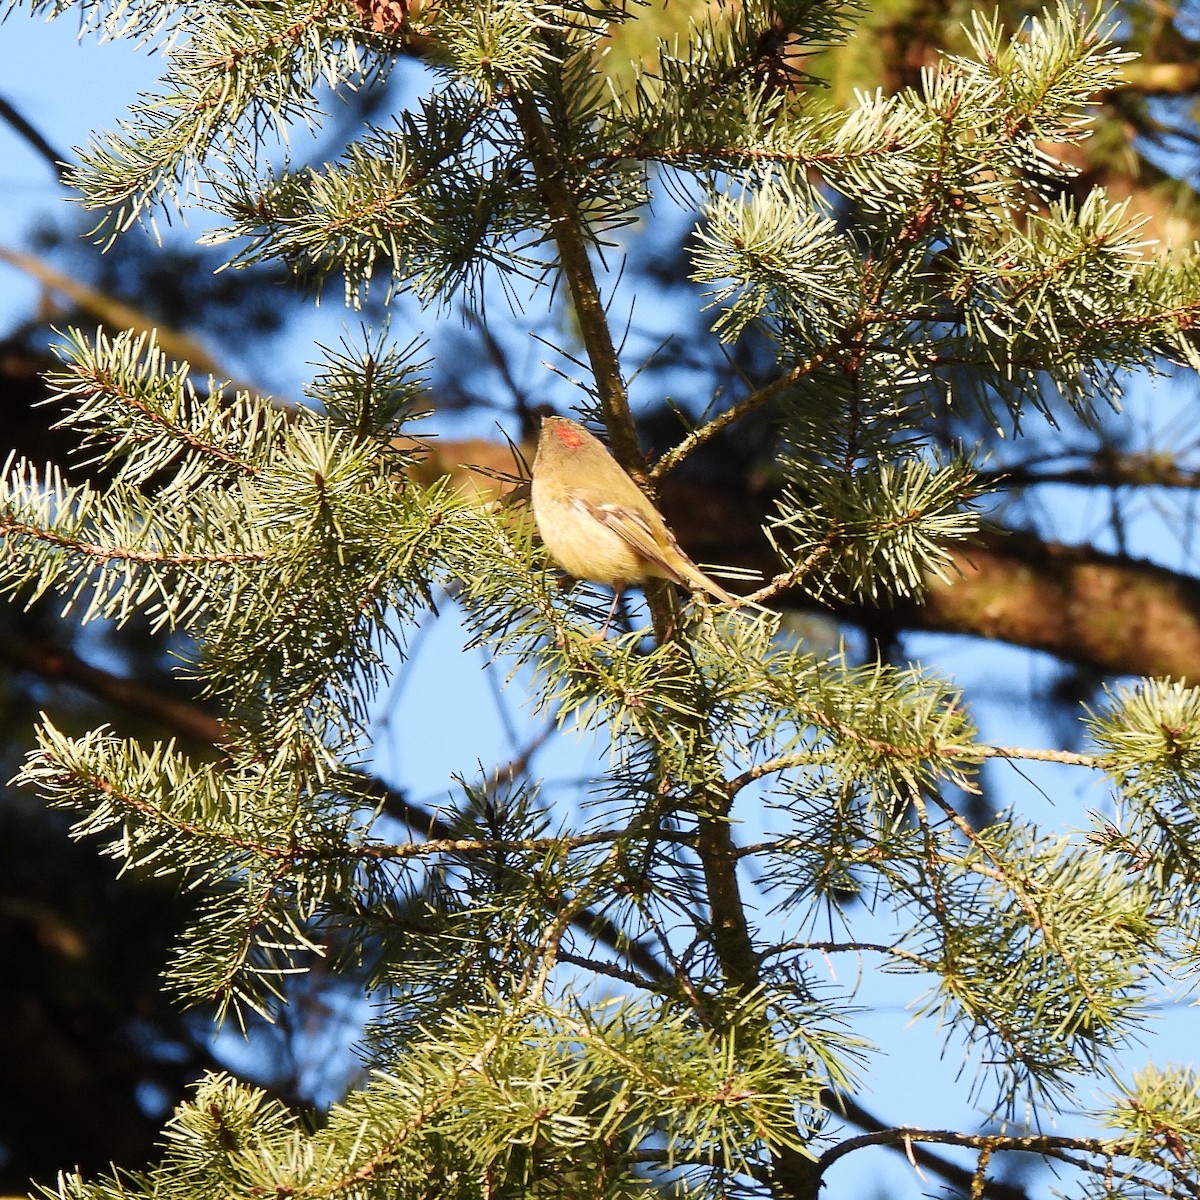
(592, 1004)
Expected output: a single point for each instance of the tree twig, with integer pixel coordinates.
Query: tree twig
(33, 136)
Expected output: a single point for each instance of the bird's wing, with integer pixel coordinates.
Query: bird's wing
(635, 532)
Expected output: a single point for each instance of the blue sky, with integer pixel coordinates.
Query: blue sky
(65, 88)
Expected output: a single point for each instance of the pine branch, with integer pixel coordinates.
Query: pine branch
(191, 721)
(913, 1149)
(298, 552)
(909, 1140)
(732, 943)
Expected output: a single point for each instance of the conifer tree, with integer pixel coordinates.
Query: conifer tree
(587, 1004)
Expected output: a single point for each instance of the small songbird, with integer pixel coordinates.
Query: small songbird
(597, 524)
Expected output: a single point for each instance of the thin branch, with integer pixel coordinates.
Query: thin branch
(461, 845)
(787, 580)
(1103, 469)
(966, 755)
(905, 1136)
(58, 663)
(116, 314)
(594, 924)
(104, 553)
(957, 1176)
(611, 970)
(568, 230)
(852, 948)
(710, 429)
(1033, 754)
(23, 127)
(191, 721)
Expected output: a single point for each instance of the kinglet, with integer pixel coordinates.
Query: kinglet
(597, 523)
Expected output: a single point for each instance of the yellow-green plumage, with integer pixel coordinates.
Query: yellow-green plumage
(596, 523)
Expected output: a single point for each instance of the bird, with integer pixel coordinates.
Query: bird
(597, 524)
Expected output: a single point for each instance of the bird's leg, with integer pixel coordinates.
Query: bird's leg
(612, 612)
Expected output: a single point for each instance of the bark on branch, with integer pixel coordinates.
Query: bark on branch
(1112, 614)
